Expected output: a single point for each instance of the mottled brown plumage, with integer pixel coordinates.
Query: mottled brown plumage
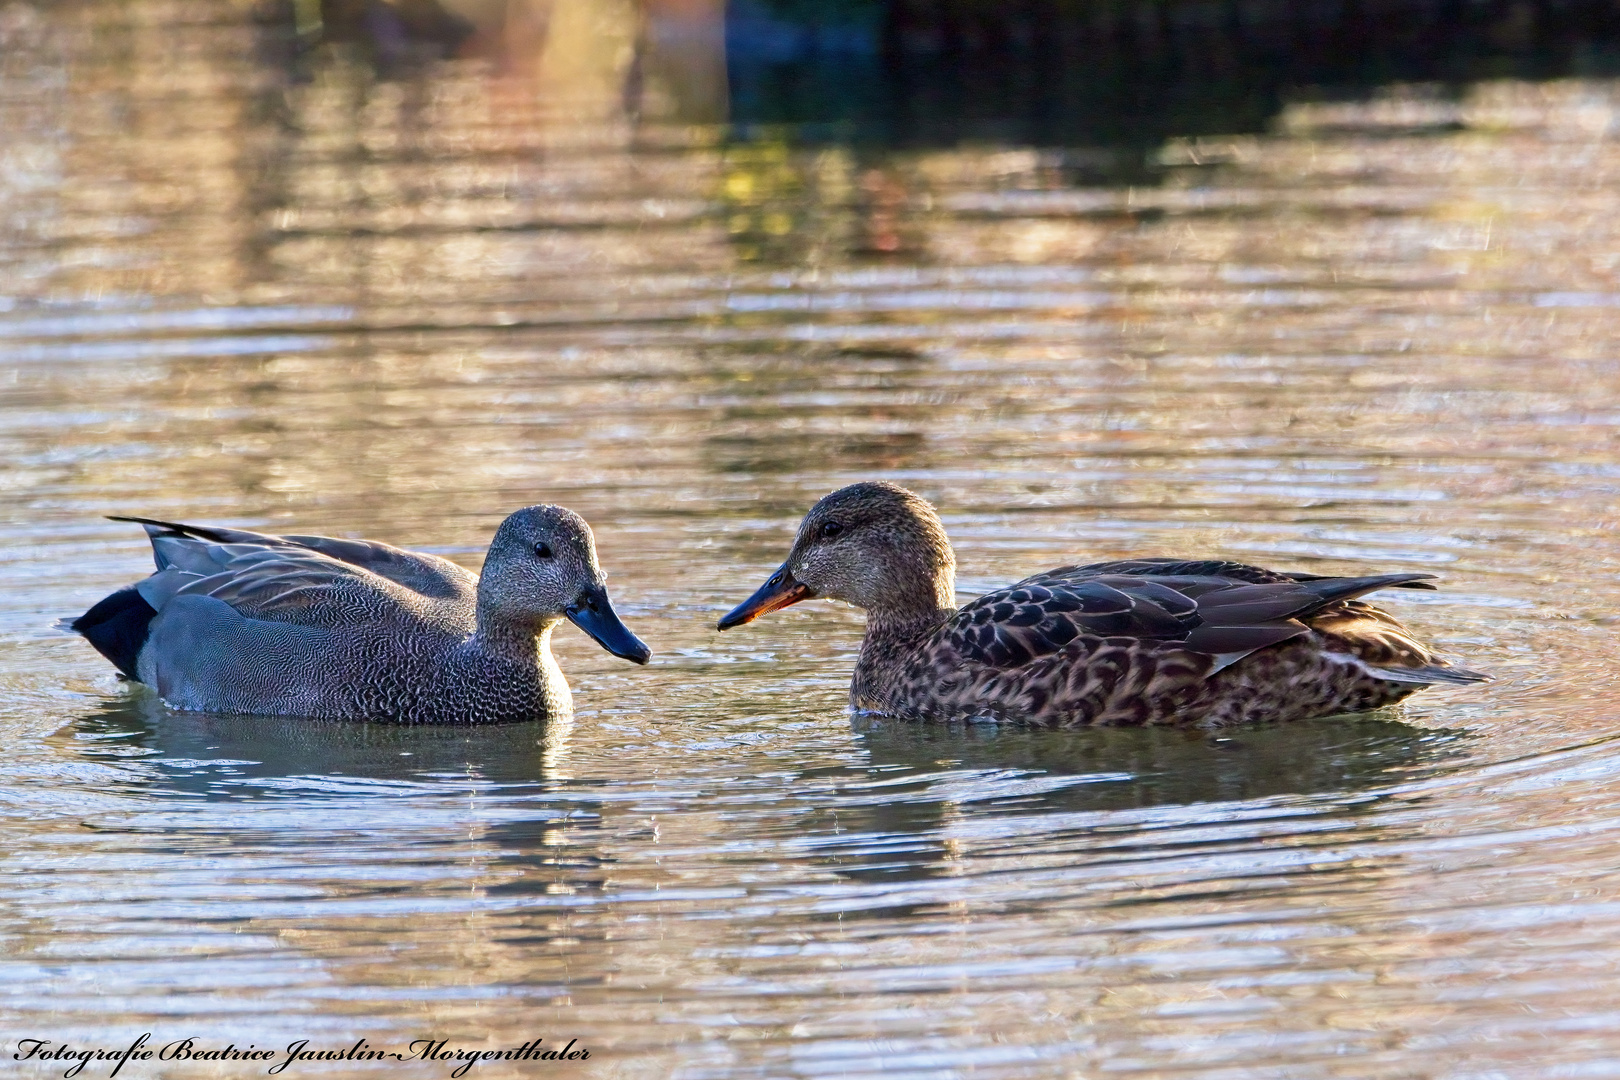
(1139, 641)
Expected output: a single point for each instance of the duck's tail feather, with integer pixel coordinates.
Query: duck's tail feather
(1429, 674)
(218, 536)
(1330, 590)
(1334, 590)
(1407, 581)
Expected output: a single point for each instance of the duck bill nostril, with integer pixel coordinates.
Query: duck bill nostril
(780, 590)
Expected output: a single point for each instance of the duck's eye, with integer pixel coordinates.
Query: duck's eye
(542, 550)
(830, 529)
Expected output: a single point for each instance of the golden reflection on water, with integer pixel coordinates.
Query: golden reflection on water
(309, 296)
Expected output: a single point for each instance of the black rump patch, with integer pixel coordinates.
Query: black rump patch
(117, 627)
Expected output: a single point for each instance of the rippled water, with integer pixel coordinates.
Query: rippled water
(1379, 337)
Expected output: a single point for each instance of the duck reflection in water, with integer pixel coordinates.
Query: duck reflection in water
(1134, 642)
(360, 813)
(161, 752)
(936, 794)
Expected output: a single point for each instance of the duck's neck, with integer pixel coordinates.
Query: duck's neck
(504, 638)
(889, 624)
(912, 605)
(520, 642)
(514, 664)
(893, 637)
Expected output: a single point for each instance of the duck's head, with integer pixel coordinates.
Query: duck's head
(875, 545)
(541, 568)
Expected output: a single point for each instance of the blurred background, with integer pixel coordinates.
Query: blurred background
(1329, 286)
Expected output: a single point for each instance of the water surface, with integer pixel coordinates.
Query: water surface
(1378, 337)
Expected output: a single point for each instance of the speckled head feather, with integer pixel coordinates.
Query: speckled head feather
(540, 560)
(877, 546)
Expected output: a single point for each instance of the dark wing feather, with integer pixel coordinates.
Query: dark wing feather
(1013, 626)
(289, 585)
(1413, 581)
(1221, 609)
(308, 581)
(429, 575)
(1224, 569)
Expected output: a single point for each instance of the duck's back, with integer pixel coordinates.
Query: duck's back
(1150, 641)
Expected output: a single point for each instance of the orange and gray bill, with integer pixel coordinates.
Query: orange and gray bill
(780, 590)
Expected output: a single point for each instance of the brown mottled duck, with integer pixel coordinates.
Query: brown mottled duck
(1208, 643)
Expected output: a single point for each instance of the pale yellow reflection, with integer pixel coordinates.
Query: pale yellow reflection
(589, 47)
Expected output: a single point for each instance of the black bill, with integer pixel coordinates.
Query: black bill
(594, 614)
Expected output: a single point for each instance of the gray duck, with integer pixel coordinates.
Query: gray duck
(1140, 641)
(246, 622)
